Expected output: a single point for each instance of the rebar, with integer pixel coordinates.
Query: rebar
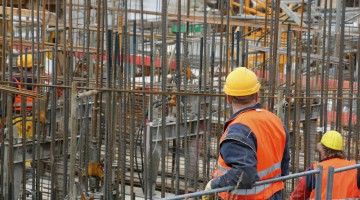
(127, 97)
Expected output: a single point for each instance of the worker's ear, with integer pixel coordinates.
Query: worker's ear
(257, 97)
(320, 149)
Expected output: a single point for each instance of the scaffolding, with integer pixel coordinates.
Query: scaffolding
(124, 99)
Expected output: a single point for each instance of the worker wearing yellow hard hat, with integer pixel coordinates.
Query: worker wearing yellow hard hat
(24, 62)
(253, 146)
(332, 140)
(346, 185)
(241, 82)
(23, 82)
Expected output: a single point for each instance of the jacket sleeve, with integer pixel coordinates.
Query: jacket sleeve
(304, 187)
(358, 178)
(286, 157)
(300, 192)
(239, 152)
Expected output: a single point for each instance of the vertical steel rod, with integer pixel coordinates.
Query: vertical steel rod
(164, 10)
(330, 182)
(339, 105)
(178, 98)
(307, 135)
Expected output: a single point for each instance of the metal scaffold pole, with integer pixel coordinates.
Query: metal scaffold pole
(125, 99)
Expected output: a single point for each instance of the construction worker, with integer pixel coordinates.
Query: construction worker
(346, 184)
(253, 146)
(26, 63)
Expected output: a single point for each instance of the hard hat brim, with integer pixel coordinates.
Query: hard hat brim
(237, 93)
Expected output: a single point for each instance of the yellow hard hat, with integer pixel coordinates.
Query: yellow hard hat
(241, 82)
(332, 140)
(25, 61)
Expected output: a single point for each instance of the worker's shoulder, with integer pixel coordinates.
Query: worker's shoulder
(238, 131)
(265, 111)
(259, 112)
(269, 115)
(261, 116)
(238, 127)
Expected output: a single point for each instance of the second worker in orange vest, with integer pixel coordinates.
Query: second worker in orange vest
(253, 146)
(346, 184)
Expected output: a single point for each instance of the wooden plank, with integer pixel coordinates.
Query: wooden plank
(49, 16)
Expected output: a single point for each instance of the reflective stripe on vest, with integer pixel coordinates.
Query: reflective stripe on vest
(254, 190)
(261, 174)
(265, 172)
(27, 104)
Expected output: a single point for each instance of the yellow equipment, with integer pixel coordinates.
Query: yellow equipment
(332, 140)
(241, 82)
(51, 39)
(17, 122)
(207, 197)
(28, 164)
(25, 61)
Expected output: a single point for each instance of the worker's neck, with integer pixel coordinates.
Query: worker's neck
(238, 107)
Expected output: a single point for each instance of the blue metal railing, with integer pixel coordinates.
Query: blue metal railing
(282, 178)
(318, 185)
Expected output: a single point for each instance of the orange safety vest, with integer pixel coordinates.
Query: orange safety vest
(345, 183)
(271, 139)
(17, 101)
